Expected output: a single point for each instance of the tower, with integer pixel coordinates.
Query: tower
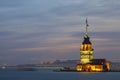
(86, 50)
(87, 63)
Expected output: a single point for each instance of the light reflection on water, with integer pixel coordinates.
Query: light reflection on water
(50, 75)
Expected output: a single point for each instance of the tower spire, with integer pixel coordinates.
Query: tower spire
(86, 27)
(86, 50)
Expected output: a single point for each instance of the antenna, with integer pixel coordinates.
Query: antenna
(86, 27)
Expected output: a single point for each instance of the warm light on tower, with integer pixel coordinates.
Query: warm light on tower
(87, 63)
(86, 50)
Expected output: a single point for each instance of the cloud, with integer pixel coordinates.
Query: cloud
(96, 8)
(57, 49)
(60, 16)
(101, 35)
(42, 28)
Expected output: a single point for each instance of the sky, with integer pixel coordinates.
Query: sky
(32, 31)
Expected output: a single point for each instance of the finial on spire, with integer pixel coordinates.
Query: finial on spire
(86, 27)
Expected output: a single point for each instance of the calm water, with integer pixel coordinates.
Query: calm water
(50, 75)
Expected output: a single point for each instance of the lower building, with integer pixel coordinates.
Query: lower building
(95, 65)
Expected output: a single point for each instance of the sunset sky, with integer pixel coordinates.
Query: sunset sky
(42, 30)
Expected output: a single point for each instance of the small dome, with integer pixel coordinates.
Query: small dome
(86, 40)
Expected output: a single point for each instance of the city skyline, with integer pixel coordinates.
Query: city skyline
(40, 30)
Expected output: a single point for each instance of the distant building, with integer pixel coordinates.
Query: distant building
(87, 62)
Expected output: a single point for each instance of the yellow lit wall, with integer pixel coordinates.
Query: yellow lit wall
(95, 68)
(86, 53)
(108, 65)
(79, 67)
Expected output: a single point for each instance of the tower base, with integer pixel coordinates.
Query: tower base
(96, 65)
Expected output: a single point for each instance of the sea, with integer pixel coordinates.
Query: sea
(52, 75)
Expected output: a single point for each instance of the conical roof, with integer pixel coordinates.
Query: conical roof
(86, 40)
